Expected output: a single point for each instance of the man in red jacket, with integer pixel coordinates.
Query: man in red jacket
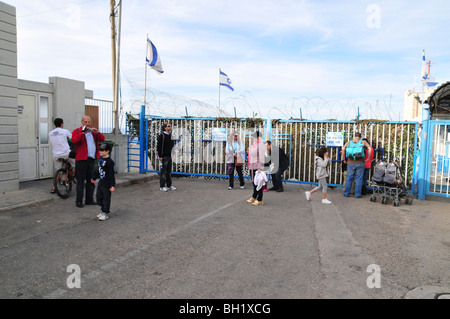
(86, 140)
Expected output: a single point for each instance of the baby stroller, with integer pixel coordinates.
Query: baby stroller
(389, 183)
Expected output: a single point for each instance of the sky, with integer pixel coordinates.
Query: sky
(316, 60)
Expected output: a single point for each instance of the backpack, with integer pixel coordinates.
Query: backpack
(355, 151)
(379, 171)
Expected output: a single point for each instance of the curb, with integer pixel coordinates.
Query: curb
(15, 199)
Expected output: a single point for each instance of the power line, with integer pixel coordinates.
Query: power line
(53, 10)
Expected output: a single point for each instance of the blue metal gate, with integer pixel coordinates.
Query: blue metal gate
(199, 143)
(198, 152)
(438, 153)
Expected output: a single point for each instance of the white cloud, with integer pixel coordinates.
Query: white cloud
(276, 52)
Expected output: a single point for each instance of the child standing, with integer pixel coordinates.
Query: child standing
(107, 180)
(322, 161)
(259, 180)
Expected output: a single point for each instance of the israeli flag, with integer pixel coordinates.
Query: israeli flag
(427, 79)
(225, 80)
(152, 58)
(430, 81)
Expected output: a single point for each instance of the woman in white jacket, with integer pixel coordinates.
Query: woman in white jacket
(235, 153)
(322, 161)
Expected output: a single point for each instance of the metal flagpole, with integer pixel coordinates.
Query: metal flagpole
(422, 183)
(219, 89)
(145, 84)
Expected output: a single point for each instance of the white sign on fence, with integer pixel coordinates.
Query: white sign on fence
(219, 134)
(335, 139)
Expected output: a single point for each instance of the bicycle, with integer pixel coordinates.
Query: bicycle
(63, 179)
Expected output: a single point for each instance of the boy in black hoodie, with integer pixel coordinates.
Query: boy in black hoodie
(164, 147)
(107, 182)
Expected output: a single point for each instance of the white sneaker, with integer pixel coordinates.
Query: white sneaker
(103, 216)
(230, 188)
(242, 187)
(308, 195)
(325, 201)
(163, 189)
(98, 216)
(172, 188)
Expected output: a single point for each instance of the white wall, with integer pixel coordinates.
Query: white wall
(120, 151)
(412, 107)
(68, 101)
(9, 151)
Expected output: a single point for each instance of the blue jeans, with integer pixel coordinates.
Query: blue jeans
(354, 171)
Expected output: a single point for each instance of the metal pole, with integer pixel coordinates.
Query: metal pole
(142, 140)
(145, 84)
(219, 89)
(422, 183)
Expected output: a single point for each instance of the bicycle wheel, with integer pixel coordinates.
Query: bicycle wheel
(62, 184)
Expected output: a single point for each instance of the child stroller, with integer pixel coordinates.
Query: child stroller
(389, 183)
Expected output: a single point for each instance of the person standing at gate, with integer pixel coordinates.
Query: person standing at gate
(164, 147)
(353, 153)
(367, 166)
(235, 154)
(256, 161)
(86, 139)
(279, 162)
(59, 142)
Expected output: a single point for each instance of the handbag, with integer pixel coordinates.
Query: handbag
(238, 161)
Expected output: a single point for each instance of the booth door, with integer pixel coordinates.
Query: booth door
(34, 121)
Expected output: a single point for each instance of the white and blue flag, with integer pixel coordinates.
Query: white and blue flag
(427, 79)
(152, 58)
(225, 80)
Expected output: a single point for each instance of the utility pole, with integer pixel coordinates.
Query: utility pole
(115, 48)
(112, 18)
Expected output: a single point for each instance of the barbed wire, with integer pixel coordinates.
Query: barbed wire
(245, 105)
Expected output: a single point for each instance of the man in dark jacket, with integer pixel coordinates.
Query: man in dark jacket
(279, 162)
(164, 150)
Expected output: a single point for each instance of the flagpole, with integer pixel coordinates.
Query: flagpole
(145, 83)
(422, 183)
(219, 90)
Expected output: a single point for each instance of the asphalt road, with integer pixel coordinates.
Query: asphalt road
(203, 241)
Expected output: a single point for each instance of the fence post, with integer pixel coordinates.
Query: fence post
(142, 139)
(424, 142)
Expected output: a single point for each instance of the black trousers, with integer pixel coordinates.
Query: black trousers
(231, 168)
(165, 177)
(256, 194)
(104, 198)
(277, 178)
(84, 171)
